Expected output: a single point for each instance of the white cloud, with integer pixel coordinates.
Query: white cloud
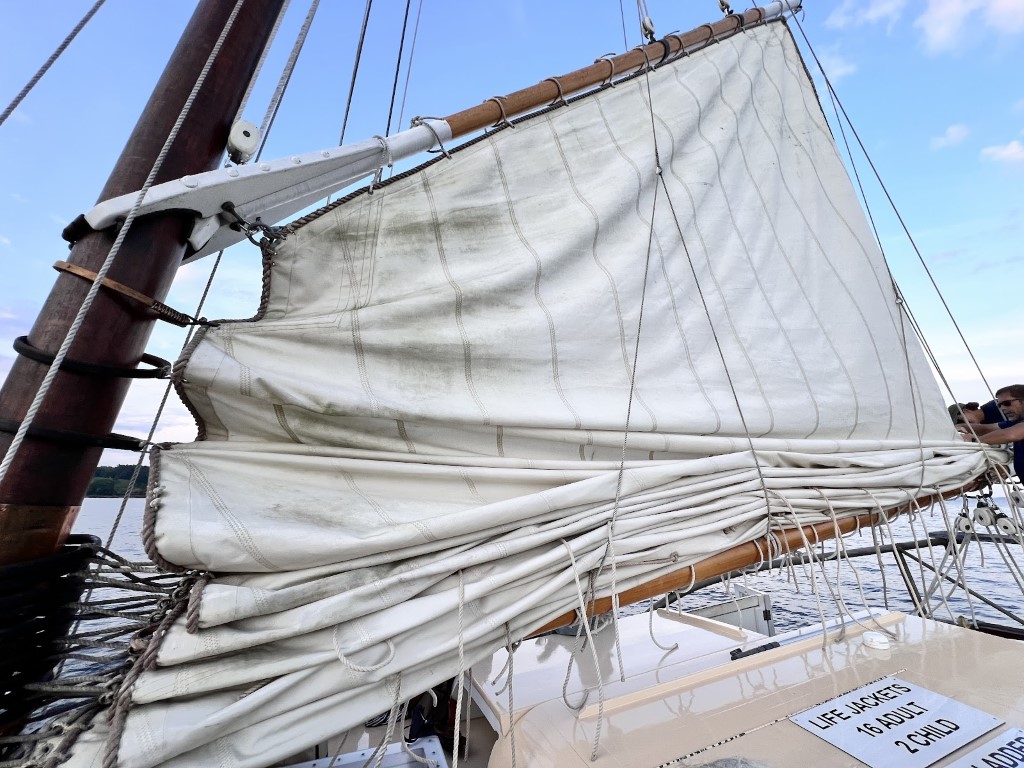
(6, 314)
(1018, 106)
(5, 240)
(18, 116)
(851, 13)
(835, 66)
(18, 198)
(944, 21)
(59, 220)
(1008, 153)
(953, 136)
(1005, 15)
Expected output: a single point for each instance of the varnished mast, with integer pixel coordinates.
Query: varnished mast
(44, 487)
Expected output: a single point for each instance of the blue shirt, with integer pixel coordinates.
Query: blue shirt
(1018, 449)
(992, 413)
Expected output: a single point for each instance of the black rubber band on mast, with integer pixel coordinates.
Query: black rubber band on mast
(112, 440)
(161, 368)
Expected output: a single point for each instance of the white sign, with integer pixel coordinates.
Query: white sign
(1004, 751)
(893, 722)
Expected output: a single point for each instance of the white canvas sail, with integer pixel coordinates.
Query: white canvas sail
(635, 330)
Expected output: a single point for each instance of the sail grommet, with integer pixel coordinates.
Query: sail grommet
(161, 369)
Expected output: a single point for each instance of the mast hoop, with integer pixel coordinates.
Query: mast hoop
(161, 369)
(162, 311)
(111, 440)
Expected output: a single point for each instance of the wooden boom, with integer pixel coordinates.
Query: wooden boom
(782, 541)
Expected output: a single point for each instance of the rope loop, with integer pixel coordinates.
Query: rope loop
(417, 121)
(648, 67)
(359, 667)
(389, 162)
(608, 58)
(504, 122)
(560, 101)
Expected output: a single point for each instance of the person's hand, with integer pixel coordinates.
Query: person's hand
(966, 433)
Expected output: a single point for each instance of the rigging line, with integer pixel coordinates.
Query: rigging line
(398, 66)
(259, 64)
(901, 305)
(49, 62)
(408, 68)
(285, 79)
(355, 70)
(622, 15)
(718, 347)
(94, 288)
(892, 204)
(610, 549)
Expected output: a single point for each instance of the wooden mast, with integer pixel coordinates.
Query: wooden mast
(44, 487)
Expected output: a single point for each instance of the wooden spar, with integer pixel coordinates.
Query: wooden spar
(743, 555)
(44, 486)
(489, 113)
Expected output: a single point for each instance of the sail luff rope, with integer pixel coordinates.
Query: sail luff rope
(355, 70)
(286, 75)
(97, 283)
(259, 64)
(49, 62)
(892, 204)
(398, 67)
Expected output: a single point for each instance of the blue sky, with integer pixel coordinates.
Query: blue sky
(933, 88)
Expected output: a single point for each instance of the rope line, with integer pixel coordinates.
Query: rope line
(49, 62)
(355, 70)
(94, 289)
(286, 76)
(892, 204)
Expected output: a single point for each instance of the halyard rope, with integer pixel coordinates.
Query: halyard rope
(94, 288)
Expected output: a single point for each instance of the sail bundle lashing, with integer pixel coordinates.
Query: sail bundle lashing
(626, 335)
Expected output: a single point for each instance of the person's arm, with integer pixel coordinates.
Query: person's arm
(977, 429)
(1011, 434)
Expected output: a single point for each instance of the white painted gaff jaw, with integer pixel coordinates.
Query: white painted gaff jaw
(271, 190)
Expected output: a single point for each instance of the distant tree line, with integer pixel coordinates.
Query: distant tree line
(113, 481)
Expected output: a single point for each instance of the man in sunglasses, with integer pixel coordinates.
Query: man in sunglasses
(1011, 402)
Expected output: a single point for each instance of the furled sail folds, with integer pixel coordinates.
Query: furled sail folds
(635, 330)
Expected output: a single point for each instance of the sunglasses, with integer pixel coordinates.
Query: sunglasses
(1005, 403)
